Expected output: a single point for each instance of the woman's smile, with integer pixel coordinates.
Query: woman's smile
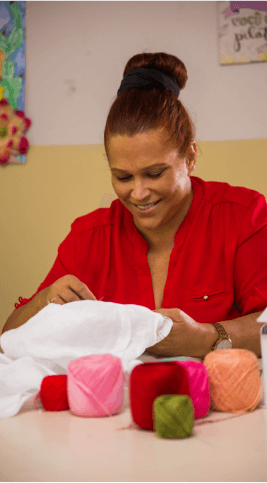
(149, 208)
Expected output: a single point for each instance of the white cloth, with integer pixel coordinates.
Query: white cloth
(60, 333)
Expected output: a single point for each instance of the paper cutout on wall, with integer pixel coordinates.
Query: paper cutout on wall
(13, 125)
(12, 58)
(242, 34)
(260, 4)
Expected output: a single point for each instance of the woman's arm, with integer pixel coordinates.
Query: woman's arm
(64, 290)
(21, 315)
(63, 266)
(244, 333)
(194, 339)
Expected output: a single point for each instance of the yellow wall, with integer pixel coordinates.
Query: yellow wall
(57, 184)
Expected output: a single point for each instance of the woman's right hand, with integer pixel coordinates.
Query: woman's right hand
(67, 289)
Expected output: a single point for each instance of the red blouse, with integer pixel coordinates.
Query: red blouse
(217, 269)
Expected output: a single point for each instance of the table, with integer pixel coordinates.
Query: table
(58, 446)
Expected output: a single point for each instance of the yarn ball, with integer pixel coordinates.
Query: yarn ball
(95, 385)
(198, 378)
(53, 393)
(173, 416)
(178, 358)
(235, 383)
(151, 380)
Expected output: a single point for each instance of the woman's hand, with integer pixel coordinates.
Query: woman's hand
(186, 338)
(67, 289)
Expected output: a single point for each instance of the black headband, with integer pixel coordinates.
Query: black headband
(144, 77)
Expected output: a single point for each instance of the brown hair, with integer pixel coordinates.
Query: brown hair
(139, 110)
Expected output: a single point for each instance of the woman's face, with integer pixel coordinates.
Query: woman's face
(139, 183)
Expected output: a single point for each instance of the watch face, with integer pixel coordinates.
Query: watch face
(224, 344)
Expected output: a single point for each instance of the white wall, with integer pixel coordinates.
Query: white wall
(76, 53)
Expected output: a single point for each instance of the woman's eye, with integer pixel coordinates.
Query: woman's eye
(157, 175)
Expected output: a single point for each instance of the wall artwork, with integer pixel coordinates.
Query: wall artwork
(12, 81)
(242, 32)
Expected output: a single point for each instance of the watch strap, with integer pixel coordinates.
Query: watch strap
(222, 334)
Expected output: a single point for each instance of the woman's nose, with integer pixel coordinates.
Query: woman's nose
(140, 190)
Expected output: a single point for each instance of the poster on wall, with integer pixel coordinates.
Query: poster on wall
(12, 61)
(242, 32)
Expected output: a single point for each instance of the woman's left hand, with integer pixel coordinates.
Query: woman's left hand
(186, 338)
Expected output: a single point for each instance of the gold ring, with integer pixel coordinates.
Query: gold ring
(51, 301)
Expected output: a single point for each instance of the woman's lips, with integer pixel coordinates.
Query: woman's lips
(148, 210)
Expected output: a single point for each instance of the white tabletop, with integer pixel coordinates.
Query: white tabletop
(58, 446)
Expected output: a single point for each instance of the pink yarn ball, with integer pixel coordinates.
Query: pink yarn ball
(95, 385)
(198, 378)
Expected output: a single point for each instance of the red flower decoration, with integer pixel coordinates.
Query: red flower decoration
(13, 126)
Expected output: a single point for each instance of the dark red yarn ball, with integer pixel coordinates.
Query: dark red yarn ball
(151, 380)
(54, 394)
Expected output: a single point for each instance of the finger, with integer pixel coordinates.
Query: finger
(83, 294)
(59, 301)
(80, 289)
(68, 295)
(56, 299)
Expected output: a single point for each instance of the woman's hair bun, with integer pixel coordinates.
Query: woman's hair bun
(166, 63)
(138, 110)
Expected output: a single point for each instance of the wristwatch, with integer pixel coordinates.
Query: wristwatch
(224, 341)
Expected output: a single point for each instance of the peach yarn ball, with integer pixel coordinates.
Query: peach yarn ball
(235, 383)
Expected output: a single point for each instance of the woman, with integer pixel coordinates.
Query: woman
(192, 250)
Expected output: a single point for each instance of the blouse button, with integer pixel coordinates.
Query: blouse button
(205, 297)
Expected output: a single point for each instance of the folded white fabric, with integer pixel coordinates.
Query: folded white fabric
(59, 334)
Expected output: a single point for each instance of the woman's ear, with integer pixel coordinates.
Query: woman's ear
(192, 166)
(194, 147)
(192, 158)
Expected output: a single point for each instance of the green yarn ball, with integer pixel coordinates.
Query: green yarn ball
(173, 416)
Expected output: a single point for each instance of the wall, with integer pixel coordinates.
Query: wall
(75, 56)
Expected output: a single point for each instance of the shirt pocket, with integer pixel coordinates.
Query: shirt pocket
(210, 306)
(208, 295)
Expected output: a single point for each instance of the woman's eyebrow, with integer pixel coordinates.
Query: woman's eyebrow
(144, 169)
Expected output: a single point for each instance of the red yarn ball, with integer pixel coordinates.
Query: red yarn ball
(53, 393)
(151, 380)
